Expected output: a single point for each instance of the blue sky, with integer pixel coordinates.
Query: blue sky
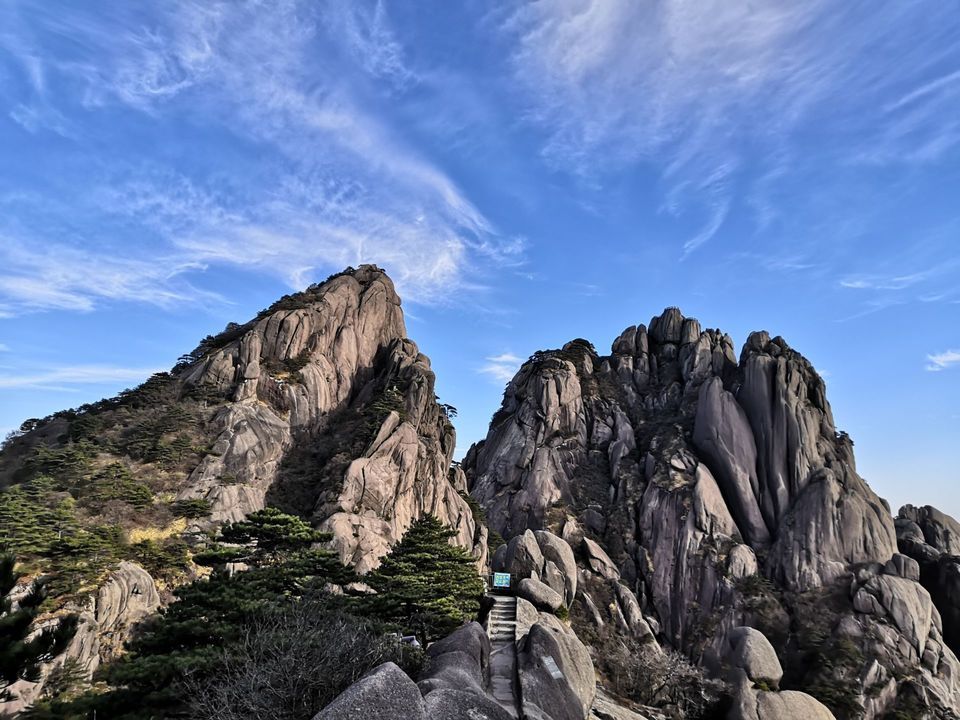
(527, 173)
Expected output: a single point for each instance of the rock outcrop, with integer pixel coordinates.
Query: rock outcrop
(320, 406)
(455, 685)
(699, 493)
(314, 375)
(105, 623)
(755, 675)
(667, 496)
(930, 540)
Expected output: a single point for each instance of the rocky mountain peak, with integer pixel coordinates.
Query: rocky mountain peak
(686, 478)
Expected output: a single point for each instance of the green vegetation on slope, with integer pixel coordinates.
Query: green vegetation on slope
(233, 625)
(20, 654)
(87, 487)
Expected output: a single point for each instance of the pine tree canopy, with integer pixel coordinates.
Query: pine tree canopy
(425, 584)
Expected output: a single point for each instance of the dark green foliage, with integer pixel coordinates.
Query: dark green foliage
(114, 482)
(494, 541)
(425, 584)
(761, 600)
(264, 537)
(834, 677)
(449, 410)
(168, 559)
(68, 464)
(209, 619)
(479, 517)
(815, 658)
(390, 400)
(82, 477)
(39, 523)
(290, 367)
(192, 509)
(20, 657)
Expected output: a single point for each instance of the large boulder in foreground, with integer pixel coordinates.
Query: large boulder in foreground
(455, 704)
(460, 661)
(557, 680)
(454, 685)
(384, 693)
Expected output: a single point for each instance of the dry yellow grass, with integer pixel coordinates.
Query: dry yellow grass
(156, 534)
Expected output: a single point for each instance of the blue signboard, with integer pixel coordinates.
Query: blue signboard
(501, 580)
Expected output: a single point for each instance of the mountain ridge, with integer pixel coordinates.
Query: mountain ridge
(669, 504)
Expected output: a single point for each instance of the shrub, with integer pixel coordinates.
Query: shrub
(663, 679)
(289, 664)
(192, 508)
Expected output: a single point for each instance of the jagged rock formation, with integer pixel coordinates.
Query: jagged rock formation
(292, 376)
(667, 496)
(320, 406)
(701, 493)
(105, 623)
(932, 540)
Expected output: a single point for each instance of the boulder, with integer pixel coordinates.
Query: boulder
(749, 703)
(791, 705)
(384, 693)
(453, 704)
(607, 708)
(903, 566)
(558, 551)
(556, 673)
(523, 558)
(741, 562)
(460, 661)
(540, 594)
(599, 561)
(939, 530)
(905, 602)
(750, 651)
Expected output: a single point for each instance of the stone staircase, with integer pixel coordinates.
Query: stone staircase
(502, 631)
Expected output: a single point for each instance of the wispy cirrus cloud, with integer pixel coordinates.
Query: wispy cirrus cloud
(930, 283)
(56, 276)
(730, 92)
(65, 377)
(337, 185)
(942, 361)
(501, 367)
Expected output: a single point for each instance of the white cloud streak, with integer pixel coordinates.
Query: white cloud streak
(695, 88)
(60, 378)
(61, 277)
(339, 188)
(942, 361)
(501, 367)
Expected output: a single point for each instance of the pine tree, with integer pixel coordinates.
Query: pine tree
(265, 537)
(426, 584)
(210, 617)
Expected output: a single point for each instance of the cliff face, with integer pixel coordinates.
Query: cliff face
(320, 406)
(327, 386)
(713, 493)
